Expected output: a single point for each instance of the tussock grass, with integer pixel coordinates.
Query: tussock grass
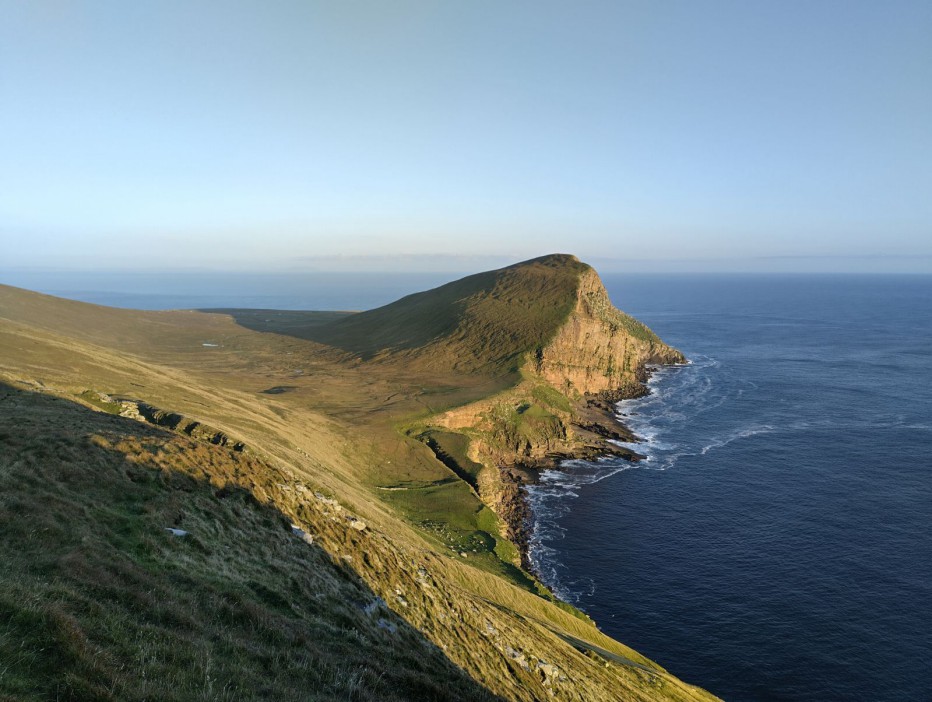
(552, 398)
(98, 601)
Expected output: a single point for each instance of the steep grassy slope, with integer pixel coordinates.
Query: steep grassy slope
(99, 601)
(548, 331)
(532, 315)
(488, 321)
(332, 445)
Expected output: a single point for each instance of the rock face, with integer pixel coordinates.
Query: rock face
(564, 405)
(143, 412)
(600, 350)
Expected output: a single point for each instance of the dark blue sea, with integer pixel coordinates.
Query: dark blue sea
(777, 543)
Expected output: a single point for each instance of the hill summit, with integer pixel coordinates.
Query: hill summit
(560, 352)
(549, 315)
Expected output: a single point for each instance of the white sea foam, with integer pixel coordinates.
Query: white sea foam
(676, 395)
(735, 436)
(665, 423)
(550, 499)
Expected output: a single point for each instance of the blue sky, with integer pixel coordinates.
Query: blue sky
(744, 135)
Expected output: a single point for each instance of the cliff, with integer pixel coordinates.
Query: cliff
(600, 350)
(561, 405)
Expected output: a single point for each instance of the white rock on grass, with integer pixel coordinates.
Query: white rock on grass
(301, 534)
(374, 606)
(387, 625)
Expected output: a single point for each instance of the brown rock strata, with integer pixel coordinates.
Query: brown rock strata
(597, 356)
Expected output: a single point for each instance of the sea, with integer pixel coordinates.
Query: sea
(776, 543)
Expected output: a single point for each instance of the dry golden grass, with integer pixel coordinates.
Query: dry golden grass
(99, 601)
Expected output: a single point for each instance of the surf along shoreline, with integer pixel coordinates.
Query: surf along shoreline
(605, 436)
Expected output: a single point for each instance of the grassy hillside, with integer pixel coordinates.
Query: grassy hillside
(401, 585)
(484, 321)
(99, 601)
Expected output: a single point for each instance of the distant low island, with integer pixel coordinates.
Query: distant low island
(245, 504)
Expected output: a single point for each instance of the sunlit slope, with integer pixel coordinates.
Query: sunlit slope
(99, 601)
(549, 316)
(486, 321)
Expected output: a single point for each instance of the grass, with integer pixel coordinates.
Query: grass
(100, 402)
(488, 321)
(514, 427)
(98, 601)
(552, 398)
(290, 322)
(451, 449)
(458, 522)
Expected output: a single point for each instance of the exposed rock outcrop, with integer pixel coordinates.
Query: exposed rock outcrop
(600, 349)
(143, 412)
(564, 406)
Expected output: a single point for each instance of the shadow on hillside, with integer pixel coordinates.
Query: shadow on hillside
(297, 323)
(99, 600)
(409, 323)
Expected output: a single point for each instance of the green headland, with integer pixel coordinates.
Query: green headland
(261, 504)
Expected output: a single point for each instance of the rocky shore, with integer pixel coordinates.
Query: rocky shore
(596, 427)
(562, 408)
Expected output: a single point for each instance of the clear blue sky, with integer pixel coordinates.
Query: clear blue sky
(687, 135)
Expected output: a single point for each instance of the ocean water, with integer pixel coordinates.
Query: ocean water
(198, 290)
(777, 543)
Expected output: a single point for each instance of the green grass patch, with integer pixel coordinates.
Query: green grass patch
(488, 521)
(551, 397)
(453, 516)
(97, 401)
(488, 321)
(451, 449)
(99, 602)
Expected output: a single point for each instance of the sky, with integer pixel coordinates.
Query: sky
(653, 135)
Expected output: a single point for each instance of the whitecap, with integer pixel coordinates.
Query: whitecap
(735, 436)
(676, 394)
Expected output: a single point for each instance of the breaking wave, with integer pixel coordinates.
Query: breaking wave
(665, 422)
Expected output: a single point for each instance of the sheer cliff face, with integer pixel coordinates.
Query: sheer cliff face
(593, 350)
(599, 349)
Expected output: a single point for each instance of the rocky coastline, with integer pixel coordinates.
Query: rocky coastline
(596, 425)
(562, 405)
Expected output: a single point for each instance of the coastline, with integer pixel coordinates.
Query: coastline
(598, 425)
